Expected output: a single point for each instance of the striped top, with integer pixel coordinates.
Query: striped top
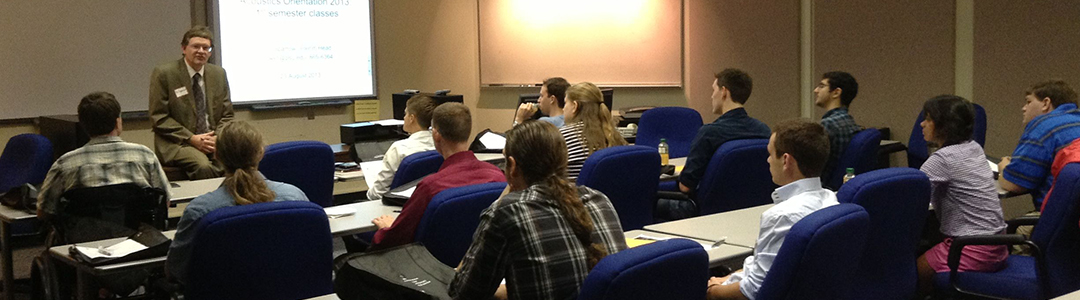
(1043, 136)
(576, 150)
(962, 191)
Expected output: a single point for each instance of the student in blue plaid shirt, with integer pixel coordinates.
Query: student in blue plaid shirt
(544, 234)
(834, 93)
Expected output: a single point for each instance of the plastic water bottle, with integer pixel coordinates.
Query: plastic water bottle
(663, 148)
(850, 174)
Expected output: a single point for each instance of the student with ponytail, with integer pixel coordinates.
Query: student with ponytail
(589, 126)
(546, 233)
(239, 149)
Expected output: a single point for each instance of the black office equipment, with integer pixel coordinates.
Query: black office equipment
(370, 140)
(399, 100)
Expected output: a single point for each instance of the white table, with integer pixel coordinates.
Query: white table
(679, 163)
(8, 216)
(717, 255)
(361, 220)
(185, 190)
(739, 227)
(326, 297)
(85, 273)
(1070, 296)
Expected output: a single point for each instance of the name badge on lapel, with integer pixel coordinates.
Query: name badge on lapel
(181, 91)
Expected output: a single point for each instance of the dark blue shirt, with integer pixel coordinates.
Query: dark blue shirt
(1042, 138)
(732, 125)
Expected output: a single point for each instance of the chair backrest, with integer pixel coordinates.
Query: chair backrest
(628, 176)
(1058, 235)
(272, 250)
(861, 154)
(416, 166)
(90, 214)
(451, 218)
(917, 152)
(674, 269)
(817, 259)
(897, 200)
(26, 159)
(679, 125)
(308, 165)
(737, 177)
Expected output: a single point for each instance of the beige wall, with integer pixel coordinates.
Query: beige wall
(1018, 44)
(901, 53)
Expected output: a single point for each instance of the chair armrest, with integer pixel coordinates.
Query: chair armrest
(1012, 224)
(958, 244)
(673, 195)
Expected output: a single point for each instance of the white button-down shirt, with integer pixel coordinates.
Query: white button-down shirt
(793, 202)
(419, 141)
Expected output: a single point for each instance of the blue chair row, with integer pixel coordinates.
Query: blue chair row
(679, 125)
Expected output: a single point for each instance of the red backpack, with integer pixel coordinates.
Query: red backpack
(1069, 154)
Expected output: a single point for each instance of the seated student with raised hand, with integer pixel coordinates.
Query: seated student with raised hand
(798, 150)
(451, 125)
(589, 126)
(962, 190)
(239, 149)
(417, 121)
(545, 234)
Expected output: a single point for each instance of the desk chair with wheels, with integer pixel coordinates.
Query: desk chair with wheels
(678, 125)
(1052, 269)
(817, 260)
(308, 165)
(737, 177)
(628, 176)
(273, 250)
(448, 224)
(896, 200)
(675, 269)
(416, 166)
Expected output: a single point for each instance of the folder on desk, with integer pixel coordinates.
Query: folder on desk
(147, 243)
(397, 196)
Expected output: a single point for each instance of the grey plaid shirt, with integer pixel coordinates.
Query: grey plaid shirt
(105, 160)
(524, 238)
(841, 127)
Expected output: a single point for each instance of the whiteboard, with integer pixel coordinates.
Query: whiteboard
(607, 42)
(54, 52)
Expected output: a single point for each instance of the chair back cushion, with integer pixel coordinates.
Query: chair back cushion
(897, 200)
(819, 255)
(737, 177)
(629, 176)
(272, 250)
(451, 218)
(674, 269)
(416, 166)
(308, 165)
(679, 125)
(26, 159)
(1058, 235)
(861, 154)
(90, 214)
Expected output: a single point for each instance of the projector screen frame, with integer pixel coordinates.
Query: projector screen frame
(214, 19)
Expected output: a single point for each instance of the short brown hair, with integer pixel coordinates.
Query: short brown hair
(1058, 91)
(557, 86)
(421, 106)
(98, 112)
(453, 121)
(737, 82)
(806, 141)
(197, 31)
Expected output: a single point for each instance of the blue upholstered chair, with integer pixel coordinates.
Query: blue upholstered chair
(737, 177)
(628, 176)
(451, 218)
(917, 152)
(674, 269)
(26, 159)
(861, 154)
(679, 125)
(818, 255)
(897, 201)
(308, 165)
(416, 166)
(1052, 270)
(275, 250)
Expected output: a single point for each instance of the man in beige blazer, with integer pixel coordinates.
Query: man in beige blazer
(189, 100)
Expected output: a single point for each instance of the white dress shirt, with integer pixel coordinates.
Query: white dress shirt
(419, 141)
(793, 202)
